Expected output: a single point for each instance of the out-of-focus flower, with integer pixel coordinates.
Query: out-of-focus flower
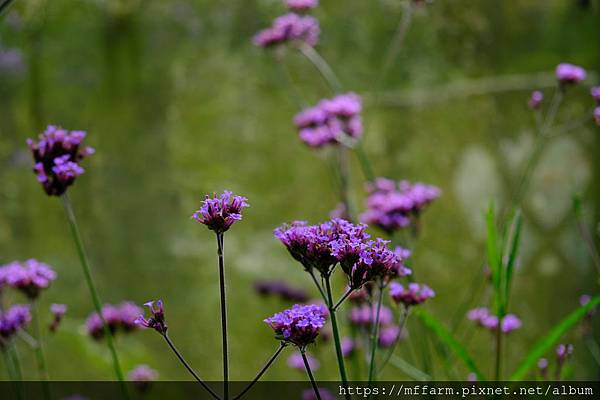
(299, 325)
(12, 320)
(11, 61)
(585, 299)
(295, 361)
(282, 290)
(366, 315)
(58, 311)
(340, 211)
(57, 154)
(510, 323)
(219, 213)
(289, 28)
(348, 346)
(410, 295)
(535, 101)
(388, 335)
(156, 320)
(472, 377)
(391, 205)
(117, 317)
(563, 351)
(376, 260)
(595, 92)
(485, 319)
(30, 277)
(331, 121)
(301, 5)
(597, 115)
(542, 365)
(142, 376)
(309, 394)
(569, 74)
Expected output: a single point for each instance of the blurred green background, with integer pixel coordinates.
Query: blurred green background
(178, 103)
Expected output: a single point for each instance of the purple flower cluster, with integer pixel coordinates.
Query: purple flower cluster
(535, 101)
(289, 28)
(117, 317)
(219, 213)
(295, 361)
(583, 300)
(563, 351)
(485, 319)
(348, 347)
(30, 277)
(301, 5)
(410, 295)
(142, 376)
(57, 154)
(282, 290)
(156, 320)
(331, 121)
(364, 316)
(58, 311)
(11, 61)
(569, 74)
(391, 205)
(12, 320)
(388, 335)
(376, 260)
(299, 325)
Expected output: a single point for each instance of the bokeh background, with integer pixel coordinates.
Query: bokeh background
(179, 103)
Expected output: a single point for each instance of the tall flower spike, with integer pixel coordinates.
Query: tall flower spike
(219, 213)
(56, 155)
(156, 320)
(299, 325)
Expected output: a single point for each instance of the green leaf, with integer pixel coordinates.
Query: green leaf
(409, 369)
(445, 336)
(550, 340)
(513, 252)
(494, 257)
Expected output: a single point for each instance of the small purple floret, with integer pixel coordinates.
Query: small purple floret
(219, 213)
(410, 295)
(156, 320)
(299, 325)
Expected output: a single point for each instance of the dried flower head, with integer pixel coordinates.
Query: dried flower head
(289, 28)
(156, 320)
(57, 154)
(219, 213)
(30, 277)
(299, 325)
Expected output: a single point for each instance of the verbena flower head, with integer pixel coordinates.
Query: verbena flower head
(295, 361)
(12, 320)
(563, 351)
(117, 317)
(485, 319)
(597, 115)
(569, 74)
(58, 311)
(280, 289)
(301, 5)
(57, 154)
(535, 101)
(388, 335)
(595, 92)
(289, 28)
(156, 320)
(375, 261)
(331, 121)
(410, 295)
(299, 325)
(30, 277)
(391, 205)
(365, 315)
(219, 213)
(348, 346)
(142, 376)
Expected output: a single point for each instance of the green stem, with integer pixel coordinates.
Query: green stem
(498, 368)
(39, 350)
(374, 334)
(262, 371)
(401, 325)
(321, 65)
(336, 338)
(365, 164)
(223, 315)
(310, 375)
(92, 288)
(314, 278)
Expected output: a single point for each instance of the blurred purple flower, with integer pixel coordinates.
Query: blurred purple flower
(117, 317)
(30, 277)
(58, 311)
(365, 315)
(156, 320)
(597, 115)
(219, 213)
(56, 156)
(12, 320)
(295, 361)
(299, 325)
(289, 28)
(535, 101)
(388, 335)
(569, 74)
(301, 5)
(282, 290)
(410, 295)
(585, 299)
(348, 346)
(11, 61)
(563, 351)
(142, 376)
(595, 92)
(485, 319)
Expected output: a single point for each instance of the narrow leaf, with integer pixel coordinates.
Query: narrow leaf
(515, 239)
(445, 336)
(410, 369)
(550, 340)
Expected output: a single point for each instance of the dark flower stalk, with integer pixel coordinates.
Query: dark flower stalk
(39, 350)
(336, 338)
(263, 370)
(223, 315)
(375, 334)
(92, 287)
(310, 375)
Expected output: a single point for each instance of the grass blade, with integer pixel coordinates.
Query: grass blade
(514, 241)
(550, 340)
(409, 369)
(494, 257)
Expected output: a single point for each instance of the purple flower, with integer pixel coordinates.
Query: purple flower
(289, 28)
(142, 376)
(219, 213)
(331, 121)
(542, 364)
(340, 212)
(117, 317)
(281, 289)
(309, 394)
(30, 277)
(156, 320)
(301, 5)
(299, 325)
(366, 315)
(348, 347)
(11, 61)
(472, 377)
(583, 300)
(391, 205)
(58, 311)
(410, 295)
(563, 351)
(510, 323)
(569, 73)
(485, 319)
(12, 320)
(295, 361)
(595, 92)
(388, 335)
(376, 261)
(597, 115)
(57, 154)
(535, 101)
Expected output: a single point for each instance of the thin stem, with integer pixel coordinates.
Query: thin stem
(321, 65)
(374, 334)
(365, 164)
(223, 315)
(401, 325)
(188, 367)
(92, 288)
(344, 297)
(39, 350)
(498, 368)
(262, 371)
(314, 278)
(12, 373)
(14, 355)
(310, 375)
(344, 170)
(336, 338)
